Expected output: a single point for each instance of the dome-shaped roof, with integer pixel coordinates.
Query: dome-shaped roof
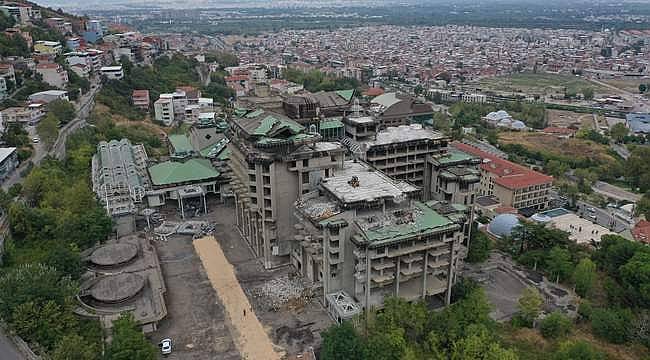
(518, 124)
(503, 224)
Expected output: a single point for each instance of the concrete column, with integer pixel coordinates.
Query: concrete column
(450, 274)
(205, 205)
(399, 263)
(368, 274)
(182, 208)
(326, 264)
(426, 271)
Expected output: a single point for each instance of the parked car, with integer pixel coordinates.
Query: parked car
(36, 140)
(166, 346)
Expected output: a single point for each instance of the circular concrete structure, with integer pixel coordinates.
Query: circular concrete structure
(114, 254)
(117, 288)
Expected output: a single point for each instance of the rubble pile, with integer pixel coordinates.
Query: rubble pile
(284, 292)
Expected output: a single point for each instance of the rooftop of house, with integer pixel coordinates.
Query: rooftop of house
(508, 174)
(641, 232)
(453, 157)
(404, 133)
(140, 94)
(402, 223)
(357, 182)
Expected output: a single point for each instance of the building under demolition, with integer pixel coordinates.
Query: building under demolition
(119, 176)
(274, 161)
(364, 236)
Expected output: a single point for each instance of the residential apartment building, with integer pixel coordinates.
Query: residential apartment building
(512, 184)
(401, 152)
(8, 161)
(362, 236)
(140, 99)
(164, 111)
(73, 43)
(453, 176)
(20, 13)
(28, 115)
(274, 161)
(47, 47)
(53, 74)
(112, 72)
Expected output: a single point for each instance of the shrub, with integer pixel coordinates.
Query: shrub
(555, 326)
(612, 325)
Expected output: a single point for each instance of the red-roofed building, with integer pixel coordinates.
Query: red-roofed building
(514, 185)
(140, 99)
(641, 232)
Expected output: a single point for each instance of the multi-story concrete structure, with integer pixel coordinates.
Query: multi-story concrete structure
(112, 72)
(28, 115)
(363, 235)
(8, 161)
(512, 184)
(140, 99)
(401, 152)
(274, 161)
(53, 74)
(178, 100)
(164, 111)
(453, 176)
(392, 109)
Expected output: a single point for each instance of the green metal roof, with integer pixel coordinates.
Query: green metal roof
(270, 122)
(331, 124)
(224, 154)
(426, 221)
(181, 144)
(214, 149)
(172, 172)
(346, 94)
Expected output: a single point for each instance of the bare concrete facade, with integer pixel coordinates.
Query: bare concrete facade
(274, 161)
(366, 237)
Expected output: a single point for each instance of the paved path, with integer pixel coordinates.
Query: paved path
(250, 338)
(8, 350)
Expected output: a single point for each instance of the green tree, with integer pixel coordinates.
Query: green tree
(128, 341)
(62, 110)
(556, 168)
(389, 344)
(577, 350)
(618, 132)
(612, 325)
(15, 135)
(479, 247)
(643, 206)
(341, 342)
(43, 324)
(588, 93)
(48, 130)
(635, 277)
(74, 347)
(584, 277)
(530, 305)
(479, 345)
(558, 263)
(555, 326)
(35, 283)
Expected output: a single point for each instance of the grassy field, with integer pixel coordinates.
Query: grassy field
(540, 83)
(564, 118)
(631, 85)
(553, 145)
(530, 345)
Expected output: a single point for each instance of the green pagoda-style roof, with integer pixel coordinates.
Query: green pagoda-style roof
(181, 144)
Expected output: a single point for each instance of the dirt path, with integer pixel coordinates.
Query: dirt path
(250, 338)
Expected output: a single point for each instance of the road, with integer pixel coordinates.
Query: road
(603, 217)
(84, 107)
(640, 104)
(8, 350)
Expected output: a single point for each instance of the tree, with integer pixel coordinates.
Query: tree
(584, 276)
(643, 88)
(530, 305)
(618, 132)
(479, 247)
(558, 263)
(128, 341)
(635, 277)
(43, 323)
(479, 345)
(74, 347)
(34, 283)
(588, 93)
(643, 206)
(341, 342)
(555, 326)
(388, 344)
(15, 135)
(48, 130)
(577, 350)
(612, 325)
(62, 110)
(556, 168)
(614, 252)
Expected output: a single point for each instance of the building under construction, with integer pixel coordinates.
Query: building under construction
(364, 236)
